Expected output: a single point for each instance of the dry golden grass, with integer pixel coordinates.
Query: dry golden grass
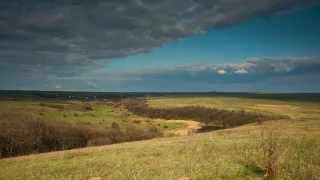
(235, 153)
(227, 154)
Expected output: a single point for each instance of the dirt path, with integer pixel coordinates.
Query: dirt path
(190, 127)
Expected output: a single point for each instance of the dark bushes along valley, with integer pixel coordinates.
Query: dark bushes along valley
(22, 134)
(206, 115)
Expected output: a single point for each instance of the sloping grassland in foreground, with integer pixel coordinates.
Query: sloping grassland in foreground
(235, 153)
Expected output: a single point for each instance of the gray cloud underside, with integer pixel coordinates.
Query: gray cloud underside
(304, 71)
(262, 74)
(276, 74)
(252, 70)
(66, 37)
(290, 74)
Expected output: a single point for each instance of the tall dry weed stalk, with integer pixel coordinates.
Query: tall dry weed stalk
(270, 135)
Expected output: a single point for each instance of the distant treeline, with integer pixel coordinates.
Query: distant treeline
(31, 95)
(22, 134)
(206, 115)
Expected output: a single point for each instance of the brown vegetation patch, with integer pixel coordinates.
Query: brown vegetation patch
(22, 134)
(80, 106)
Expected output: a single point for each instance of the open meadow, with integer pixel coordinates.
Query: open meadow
(286, 148)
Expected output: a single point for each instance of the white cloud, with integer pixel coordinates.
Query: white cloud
(221, 71)
(241, 71)
(92, 84)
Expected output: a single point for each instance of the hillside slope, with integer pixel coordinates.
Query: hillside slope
(236, 153)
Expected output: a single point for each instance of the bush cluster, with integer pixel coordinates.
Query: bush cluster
(22, 134)
(83, 106)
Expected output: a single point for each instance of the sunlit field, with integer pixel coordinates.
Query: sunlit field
(232, 153)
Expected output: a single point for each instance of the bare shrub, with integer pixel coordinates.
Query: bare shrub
(60, 107)
(87, 107)
(133, 133)
(15, 137)
(57, 106)
(114, 125)
(136, 121)
(270, 136)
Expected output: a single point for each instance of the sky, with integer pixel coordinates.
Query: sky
(160, 45)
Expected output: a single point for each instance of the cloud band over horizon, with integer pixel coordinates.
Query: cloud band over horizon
(44, 42)
(288, 74)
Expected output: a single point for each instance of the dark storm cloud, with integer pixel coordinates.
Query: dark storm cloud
(66, 33)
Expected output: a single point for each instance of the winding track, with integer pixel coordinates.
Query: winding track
(190, 126)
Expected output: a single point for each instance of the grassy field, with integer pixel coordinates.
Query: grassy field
(289, 108)
(101, 113)
(235, 153)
